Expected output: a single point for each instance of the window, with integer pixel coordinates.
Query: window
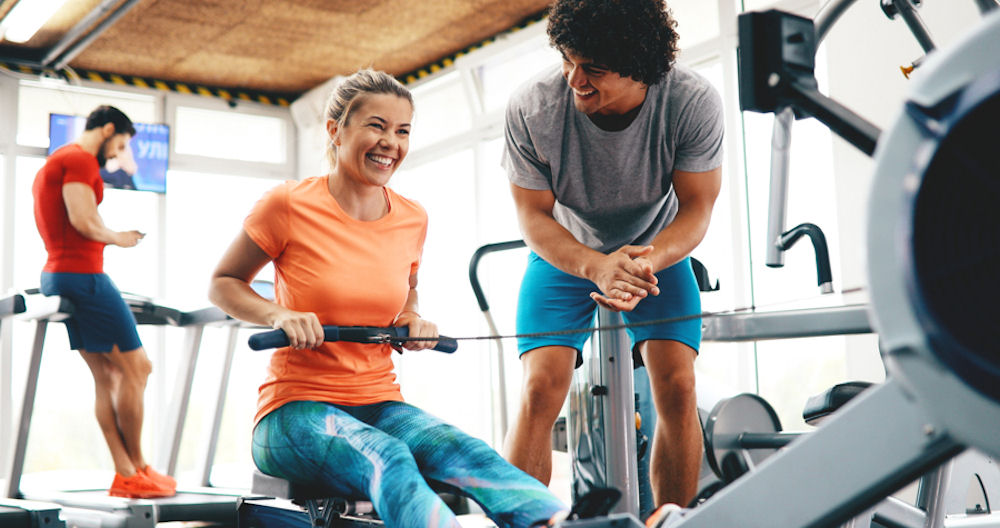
(36, 100)
(500, 273)
(30, 255)
(230, 135)
(441, 110)
(187, 230)
(200, 226)
(502, 75)
(443, 188)
(697, 21)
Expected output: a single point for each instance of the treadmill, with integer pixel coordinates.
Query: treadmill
(94, 507)
(16, 513)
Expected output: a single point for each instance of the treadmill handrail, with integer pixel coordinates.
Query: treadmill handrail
(12, 305)
(51, 308)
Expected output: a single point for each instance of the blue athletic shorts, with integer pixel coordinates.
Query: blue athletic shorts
(552, 300)
(100, 317)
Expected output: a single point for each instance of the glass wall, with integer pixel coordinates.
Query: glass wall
(36, 100)
(223, 134)
(429, 125)
(443, 187)
(186, 231)
(204, 214)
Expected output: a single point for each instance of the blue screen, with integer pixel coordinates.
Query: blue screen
(143, 167)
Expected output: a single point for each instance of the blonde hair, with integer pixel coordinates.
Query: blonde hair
(343, 99)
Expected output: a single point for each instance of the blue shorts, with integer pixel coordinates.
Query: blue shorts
(100, 317)
(552, 300)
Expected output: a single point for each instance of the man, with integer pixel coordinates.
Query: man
(615, 165)
(67, 191)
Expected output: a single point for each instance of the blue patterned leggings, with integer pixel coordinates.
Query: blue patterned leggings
(385, 451)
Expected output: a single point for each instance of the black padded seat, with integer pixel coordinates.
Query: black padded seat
(822, 405)
(283, 489)
(280, 488)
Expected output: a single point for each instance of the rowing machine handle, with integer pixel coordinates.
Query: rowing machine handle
(277, 338)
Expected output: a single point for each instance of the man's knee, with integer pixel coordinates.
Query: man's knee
(135, 365)
(674, 390)
(541, 397)
(545, 392)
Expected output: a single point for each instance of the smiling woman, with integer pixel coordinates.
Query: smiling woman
(369, 147)
(338, 404)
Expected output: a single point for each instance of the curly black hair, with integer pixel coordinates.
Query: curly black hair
(633, 38)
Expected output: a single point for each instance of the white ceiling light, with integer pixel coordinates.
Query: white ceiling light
(26, 17)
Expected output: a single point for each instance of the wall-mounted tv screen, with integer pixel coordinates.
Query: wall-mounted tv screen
(143, 165)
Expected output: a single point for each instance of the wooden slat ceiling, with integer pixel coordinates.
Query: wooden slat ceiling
(276, 46)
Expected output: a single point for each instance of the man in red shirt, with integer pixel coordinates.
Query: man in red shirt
(67, 191)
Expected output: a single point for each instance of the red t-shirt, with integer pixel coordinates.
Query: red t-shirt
(69, 251)
(346, 271)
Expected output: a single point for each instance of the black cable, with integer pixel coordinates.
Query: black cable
(702, 315)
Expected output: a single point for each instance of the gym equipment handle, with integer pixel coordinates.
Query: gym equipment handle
(777, 440)
(477, 288)
(355, 334)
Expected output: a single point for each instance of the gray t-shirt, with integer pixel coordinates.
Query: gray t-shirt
(612, 188)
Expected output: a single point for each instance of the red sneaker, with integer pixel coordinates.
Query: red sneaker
(666, 512)
(164, 481)
(138, 486)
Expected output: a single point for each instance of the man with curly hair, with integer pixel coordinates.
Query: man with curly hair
(615, 164)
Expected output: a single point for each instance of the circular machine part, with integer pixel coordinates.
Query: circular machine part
(743, 413)
(954, 280)
(933, 236)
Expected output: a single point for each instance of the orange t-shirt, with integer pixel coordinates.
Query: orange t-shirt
(346, 271)
(69, 251)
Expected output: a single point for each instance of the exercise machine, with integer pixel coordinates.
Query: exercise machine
(600, 394)
(932, 249)
(15, 513)
(743, 431)
(283, 503)
(94, 508)
(278, 502)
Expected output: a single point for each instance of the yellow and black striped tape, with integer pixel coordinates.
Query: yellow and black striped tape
(448, 61)
(157, 84)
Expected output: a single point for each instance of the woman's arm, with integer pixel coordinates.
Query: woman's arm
(230, 290)
(410, 318)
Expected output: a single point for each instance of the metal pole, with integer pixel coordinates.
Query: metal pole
(179, 408)
(828, 16)
(619, 412)
(220, 406)
(781, 140)
(27, 408)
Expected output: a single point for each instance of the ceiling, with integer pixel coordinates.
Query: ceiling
(266, 46)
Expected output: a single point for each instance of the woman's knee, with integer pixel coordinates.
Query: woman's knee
(395, 454)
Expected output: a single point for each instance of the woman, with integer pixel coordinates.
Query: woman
(345, 250)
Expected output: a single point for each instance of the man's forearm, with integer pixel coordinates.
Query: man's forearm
(557, 245)
(678, 240)
(93, 227)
